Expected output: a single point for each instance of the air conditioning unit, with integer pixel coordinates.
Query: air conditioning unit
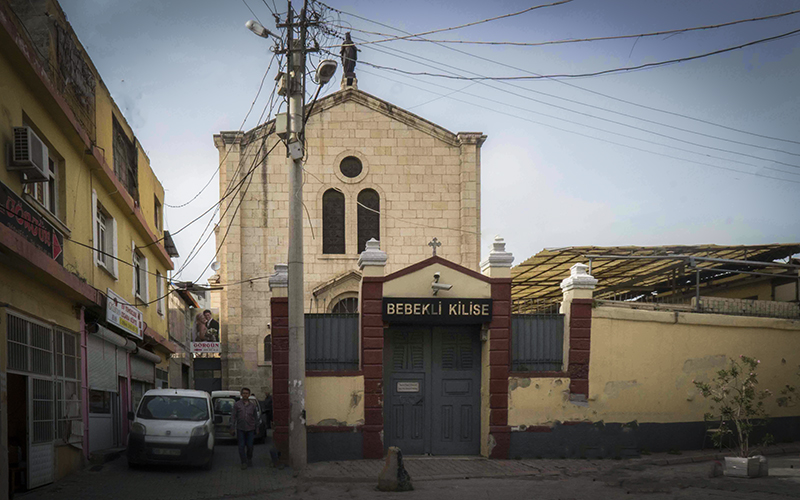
(30, 155)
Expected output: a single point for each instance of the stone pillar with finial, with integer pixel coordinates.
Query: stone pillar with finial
(496, 355)
(372, 262)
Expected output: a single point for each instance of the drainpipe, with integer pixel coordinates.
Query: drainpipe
(85, 382)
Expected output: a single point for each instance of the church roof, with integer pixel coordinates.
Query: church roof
(352, 94)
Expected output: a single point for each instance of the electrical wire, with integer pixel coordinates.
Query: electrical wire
(418, 38)
(610, 141)
(252, 105)
(474, 23)
(578, 87)
(590, 74)
(648, 131)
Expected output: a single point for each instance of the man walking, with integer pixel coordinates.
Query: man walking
(245, 421)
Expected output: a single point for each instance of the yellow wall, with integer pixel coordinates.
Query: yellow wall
(643, 362)
(25, 101)
(761, 291)
(335, 400)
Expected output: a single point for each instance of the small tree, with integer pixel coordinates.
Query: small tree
(738, 407)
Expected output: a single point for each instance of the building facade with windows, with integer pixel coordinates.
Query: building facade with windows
(83, 320)
(373, 171)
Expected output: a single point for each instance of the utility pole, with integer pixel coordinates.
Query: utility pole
(295, 74)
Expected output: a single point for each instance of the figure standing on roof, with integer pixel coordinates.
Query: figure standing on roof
(349, 53)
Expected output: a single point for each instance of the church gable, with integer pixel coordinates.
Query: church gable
(364, 101)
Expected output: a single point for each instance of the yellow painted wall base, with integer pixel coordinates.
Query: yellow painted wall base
(335, 401)
(643, 363)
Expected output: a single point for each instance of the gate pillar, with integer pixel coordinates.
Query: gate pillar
(372, 262)
(496, 355)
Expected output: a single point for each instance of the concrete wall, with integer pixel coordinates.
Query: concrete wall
(335, 401)
(643, 362)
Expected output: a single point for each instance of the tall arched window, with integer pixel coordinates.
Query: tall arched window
(333, 222)
(369, 217)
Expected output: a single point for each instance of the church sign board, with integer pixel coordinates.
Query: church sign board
(437, 311)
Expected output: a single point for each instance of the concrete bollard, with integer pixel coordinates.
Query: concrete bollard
(394, 476)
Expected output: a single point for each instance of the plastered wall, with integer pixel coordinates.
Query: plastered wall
(335, 401)
(643, 363)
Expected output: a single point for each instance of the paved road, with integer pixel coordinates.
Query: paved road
(559, 479)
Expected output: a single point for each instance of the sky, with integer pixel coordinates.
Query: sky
(567, 162)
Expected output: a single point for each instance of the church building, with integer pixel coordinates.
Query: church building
(373, 170)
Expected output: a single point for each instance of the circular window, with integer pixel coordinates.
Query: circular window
(351, 167)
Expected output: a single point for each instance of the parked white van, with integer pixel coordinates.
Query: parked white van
(172, 426)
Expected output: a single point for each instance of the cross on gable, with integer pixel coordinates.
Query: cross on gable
(434, 243)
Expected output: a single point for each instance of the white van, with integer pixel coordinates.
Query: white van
(173, 426)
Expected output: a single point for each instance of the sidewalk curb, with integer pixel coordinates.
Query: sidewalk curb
(772, 451)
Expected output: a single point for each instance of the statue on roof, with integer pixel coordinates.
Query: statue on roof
(349, 53)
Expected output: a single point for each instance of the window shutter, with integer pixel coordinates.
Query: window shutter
(133, 270)
(114, 262)
(146, 281)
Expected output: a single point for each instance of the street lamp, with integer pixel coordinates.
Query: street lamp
(325, 71)
(258, 29)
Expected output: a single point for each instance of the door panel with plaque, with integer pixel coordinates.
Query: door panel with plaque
(407, 360)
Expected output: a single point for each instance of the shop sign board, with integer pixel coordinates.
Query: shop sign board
(20, 217)
(123, 315)
(437, 311)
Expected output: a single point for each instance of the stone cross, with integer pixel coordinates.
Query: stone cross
(435, 243)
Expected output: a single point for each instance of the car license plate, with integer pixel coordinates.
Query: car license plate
(166, 451)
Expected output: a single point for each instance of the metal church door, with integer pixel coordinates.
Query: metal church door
(433, 390)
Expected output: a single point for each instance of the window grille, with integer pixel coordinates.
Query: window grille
(331, 342)
(537, 342)
(369, 217)
(347, 305)
(333, 239)
(30, 346)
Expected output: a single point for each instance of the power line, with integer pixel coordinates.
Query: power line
(418, 38)
(615, 121)
(591, 74)
(252, 105)
(271, 105)
(251, 10)
(225, 236)
(572, 85)
(612, 142)
(474, 23)
(619, 113)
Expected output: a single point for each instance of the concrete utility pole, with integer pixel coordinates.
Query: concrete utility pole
(295, 74)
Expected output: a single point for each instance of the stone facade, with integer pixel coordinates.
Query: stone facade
(428, 180)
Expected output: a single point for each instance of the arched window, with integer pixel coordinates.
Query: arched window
(347, 305)
(268, 347)
(333, 222)
(369, 217)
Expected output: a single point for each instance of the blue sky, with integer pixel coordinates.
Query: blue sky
(182, 71)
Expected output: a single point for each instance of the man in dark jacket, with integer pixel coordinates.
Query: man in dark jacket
(244, 420)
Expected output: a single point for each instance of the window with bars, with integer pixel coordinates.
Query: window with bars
(139, 275)
(159, 293)
(30, 346)
(347, 305)
(369, 217)
(333, 239)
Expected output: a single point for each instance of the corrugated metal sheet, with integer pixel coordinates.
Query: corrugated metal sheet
(537, 342)
(331, 342)
(143, 370)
